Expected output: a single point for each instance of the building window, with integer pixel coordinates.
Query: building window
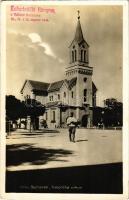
(72, 56)
(64, 94)
(58, 96)
(72, 94)
(46, 116)
(85, 95)
(75, 55)
(81, 55)
(84, 56)
(28, 96)
(85, 79)
(28, 99)
(51, 98)
(87, 56)
(53, 115)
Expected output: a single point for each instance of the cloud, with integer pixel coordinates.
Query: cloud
(48, 51)
(35, 38)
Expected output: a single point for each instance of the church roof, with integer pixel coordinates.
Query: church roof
(72, 82)
(49, 87)
(78, 34)
(55, 86)
(94, 87)
(37, 85)
(78, 38)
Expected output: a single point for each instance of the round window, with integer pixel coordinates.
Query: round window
(85, 79)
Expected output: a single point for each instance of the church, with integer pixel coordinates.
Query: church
(76, 93)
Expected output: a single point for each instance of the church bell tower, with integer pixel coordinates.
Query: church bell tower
(79, 48)
(79, 67)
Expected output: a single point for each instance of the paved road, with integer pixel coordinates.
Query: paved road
(49, 163)
(26, 151)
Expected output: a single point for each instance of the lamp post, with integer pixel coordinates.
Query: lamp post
(102, 119)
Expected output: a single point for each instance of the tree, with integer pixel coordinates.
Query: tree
(113, 112)
(16, 109)
(97, 115)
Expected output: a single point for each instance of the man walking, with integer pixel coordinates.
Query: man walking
(72, 123)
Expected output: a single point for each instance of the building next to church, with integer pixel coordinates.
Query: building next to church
(76, 93)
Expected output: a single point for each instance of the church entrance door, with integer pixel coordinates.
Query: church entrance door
(84, 121)
(36, 123)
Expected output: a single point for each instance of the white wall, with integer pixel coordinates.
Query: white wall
(81, 85)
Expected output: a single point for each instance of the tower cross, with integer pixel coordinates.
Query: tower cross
(78, 14)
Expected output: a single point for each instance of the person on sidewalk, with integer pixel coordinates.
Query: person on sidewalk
(72, 123)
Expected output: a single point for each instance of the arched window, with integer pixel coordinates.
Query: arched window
(53, 115)
(84, 56)
(46, 116)
(72, 56)
(85, 95)
(72, 94)
(87, 56)
(81, 55)
(64, 94)
(58, 96)
(75, 55)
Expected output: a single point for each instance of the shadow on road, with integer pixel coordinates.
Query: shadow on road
(17, 154)
(81, 140)
(15, 138)
(40, 131)
(105, 178)
(31, 136)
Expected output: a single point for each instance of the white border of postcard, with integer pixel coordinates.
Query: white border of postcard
(47, 196)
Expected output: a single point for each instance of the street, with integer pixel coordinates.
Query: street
(96, 155)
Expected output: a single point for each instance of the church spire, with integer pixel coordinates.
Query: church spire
(79, 53)
(78, 34)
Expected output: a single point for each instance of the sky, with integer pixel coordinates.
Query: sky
(39, 50)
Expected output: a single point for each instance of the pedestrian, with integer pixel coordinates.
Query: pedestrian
(72, 123)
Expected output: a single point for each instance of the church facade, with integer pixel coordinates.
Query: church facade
(76, 93)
